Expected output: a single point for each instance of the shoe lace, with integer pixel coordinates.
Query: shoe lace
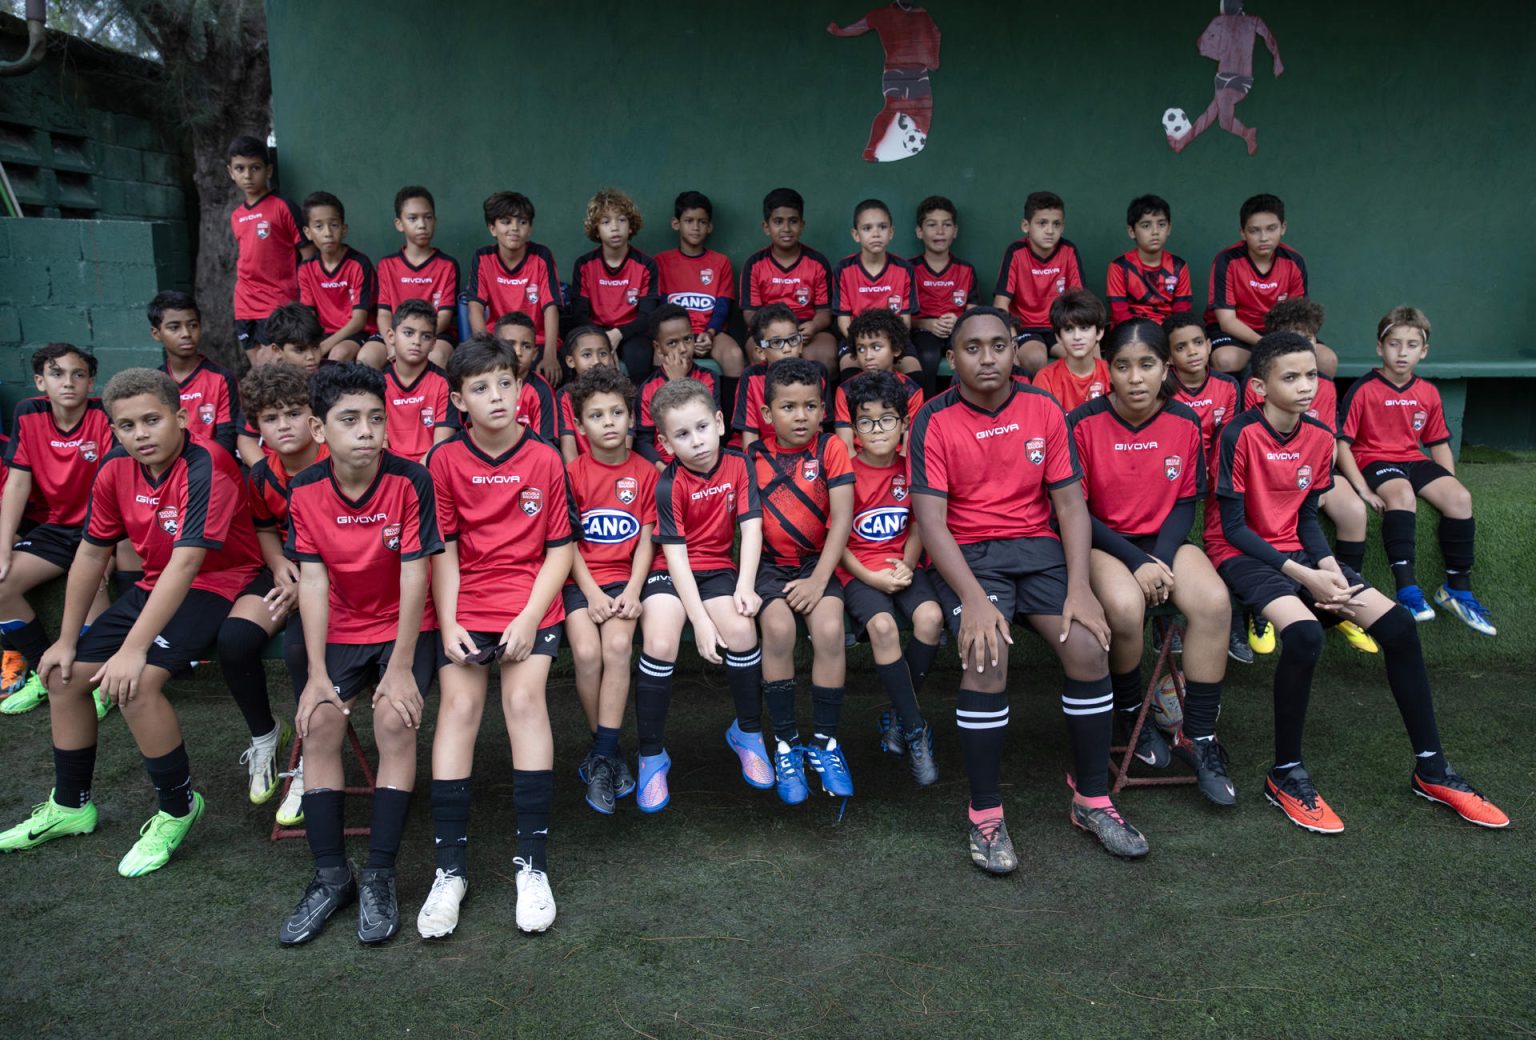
(988, 829)
(157, 830)
(536, 878)
(1456, 782)
(602, 773)
(787, 764)
(1213, 755)
(375, 886)
(1114, 814)
(1301, 788)
(441, 882)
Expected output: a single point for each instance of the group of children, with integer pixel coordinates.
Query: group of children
(428, 522)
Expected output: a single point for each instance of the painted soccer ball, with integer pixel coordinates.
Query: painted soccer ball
(903, 138)
(1175, 122)
(1166, 710)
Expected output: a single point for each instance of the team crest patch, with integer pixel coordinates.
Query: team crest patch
(802, 294)
(427, 416)
(205, 414)
(810, 469)
(959, 297)
(392, 537)
(706, 275)
(1035, 447)
(263, 230)
(730, 501)
(895, 304)
(1061, 285)
(1304, 477)
(169, 520)
(1173, 465)
(1095, 389)
(1217, 414)
(626, 488)
(531, 294)
(631, 296)
(899, 488)
(1170, 284)
(530, 501)
(1419, 419)
(88, 450)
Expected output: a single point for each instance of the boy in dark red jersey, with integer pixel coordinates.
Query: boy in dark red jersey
(209, 392)
(777, 333)
(535, 399)
(878, 339)
(871, 278)
(505, 508)
(615, 494)
(1078, 322)
(1389, 418)
(991, 457)
(516, 274)
(416, 399)
(268, 244)
(805, 483)
(703, 498)
(184, 508)
(793, 274)
(1275, 464)
(946, 286)
(882, 570)
(671, 339)
(701, 281)
(585, 348)
(339, 283)
(57, 443)
(1036, 269)
(419, 271)
(615, 286)
(1148, 281)
(362, 524)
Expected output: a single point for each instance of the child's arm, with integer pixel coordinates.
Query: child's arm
(706, 639)
(524, 629)
(568, 450)
(285, 573)
(445, 601)
(549, 361)
(384, 318)
(352, 330)
(119, 677)
(846, 435)
(1076, 542)
(820, 322)
(748, 602)
(1344, 459)
(627, 603)
(1229, 323)
(1441, 453)
(80, 589)
(249, 449)
(983, 629)
(442, 432)
(398, 685)
(597, 599)
(18, 486)
(843, 321)
(315, 617)
(476, 320)
(803, 594)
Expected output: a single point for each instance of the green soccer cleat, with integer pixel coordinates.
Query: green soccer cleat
(49, 820)
(103, 703)
(31, 694)
(158, 838)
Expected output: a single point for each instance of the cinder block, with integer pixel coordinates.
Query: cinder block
(119, 326)
(40, 238)
(140, 282)
(164, 202)
(10, 326)
(124, 164)
(160, 168)
(133, 132)
(24, 282)
(51, 324)
(110, 195)
(117, 241)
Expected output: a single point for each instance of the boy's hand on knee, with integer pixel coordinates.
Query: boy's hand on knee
(1367, 496)
(983, 633)
(119, 677)
(803, 594)
(626, 606)
(1330, 590)
(706, 638)
(1080, 606)
(519, 636)
(747, 602)
(399, 691)
(600, 609)
(1156, 581)
(60, 655)
(456, 643)
(317, 692)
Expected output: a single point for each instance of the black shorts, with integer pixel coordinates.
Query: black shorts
(574, 599)
(863, 601)
(354, 667)
(1021, 576)
(772, 577)
(251, 332)
(1046, 336)
(712, 584)
(1256, 585)
(51, 543)
(1418, 473)
(546, 641)
(1218, 338)
(191, 632)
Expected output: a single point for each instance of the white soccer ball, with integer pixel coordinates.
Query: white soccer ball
(1175, 122)
(1167, 713)
(903, 139)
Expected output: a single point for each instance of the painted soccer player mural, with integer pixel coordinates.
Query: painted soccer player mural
(1229, 41)
(911, 42)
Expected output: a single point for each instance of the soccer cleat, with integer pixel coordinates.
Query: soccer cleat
(535, 900)
(260, 761)
(13, 672)
(584, 771)
(750, 749)
(890, 734)
(1357, 637)
(103, 703)
(1238, 648)
(440, 913)
(1466, 800)
(1105, 823)
(1208, 758)
(291, 812)
(1298, 799)
(1261, 636)
(49, 820)
(600, 784)
(789, 775)
(623, 779)
(31, 694)
(1462, 604)
(378, 910)
(160, 836)
(1151, 745)
(991, 848)
(1411, 598)
(331, 889)
(831, 768)
(654, 794)
(920, 756)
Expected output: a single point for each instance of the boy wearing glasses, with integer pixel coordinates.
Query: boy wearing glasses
(777, 333)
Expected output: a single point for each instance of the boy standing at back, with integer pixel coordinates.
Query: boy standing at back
(1148, 281)
(703, 282)
(946, 286)
(420, 271)
(1036, 269)
(516, 274)
(792, 274)
(268, 244)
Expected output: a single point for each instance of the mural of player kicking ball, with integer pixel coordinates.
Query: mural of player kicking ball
(1228, 41)
(911, 42)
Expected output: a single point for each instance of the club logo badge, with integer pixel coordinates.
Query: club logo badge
(1304, 477)
(810, 469)
(706, 275)
(169, 519)
(959, 297)
(627, 489)
(802, 294)
(88, 451)
(392, 537)
(427, 416)
(530, 501)
(1173, 465)
(899, 488)
(1035, 447)
(205, 414)
(1419, 419)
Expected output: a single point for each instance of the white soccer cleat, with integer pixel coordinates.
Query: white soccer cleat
(291, 812)
(260, 761)
(535, 900)
(440, 913)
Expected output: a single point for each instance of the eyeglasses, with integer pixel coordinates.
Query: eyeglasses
(885, 424)
(787, 343)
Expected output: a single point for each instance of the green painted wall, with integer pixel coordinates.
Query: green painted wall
(1398, 134)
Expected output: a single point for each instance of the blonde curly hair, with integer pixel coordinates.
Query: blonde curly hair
(615, 200)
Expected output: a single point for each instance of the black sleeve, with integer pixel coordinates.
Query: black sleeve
(1117, 545)
(1175, 530)
(645, 445)
(1234, 524)
(642, 320)
(1311, 532)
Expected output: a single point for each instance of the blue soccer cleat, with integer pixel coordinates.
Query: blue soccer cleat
(831, 769)
(653, 793)
(1411, 597)
(1466, 608)
(789, 770)
(753, 754)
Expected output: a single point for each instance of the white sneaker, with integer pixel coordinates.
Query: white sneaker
(535, 901)
(291, 812)
(440, 913)
(260, 761)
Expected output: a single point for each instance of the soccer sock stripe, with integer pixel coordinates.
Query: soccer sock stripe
(450, 823)
(1086, 704)
(983, 722)
(1403, 655)
(324, 811)
(1301, 644)
(385, 827)
(533, 790)
(653, 701)
(744, 675)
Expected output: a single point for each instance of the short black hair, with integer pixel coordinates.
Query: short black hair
(323, 198)
(936, 202)
(1275, 345)
(766, 316)
(333, 382)
(604, 379)
(981, 311)
(1076, 308)
(416, 308)
(413, 191)
(1264, 203)
(790, 372)
(882, 388)
(247, 147)
(1297, 314)
(294, 323)
(507, 204)
(476, 356)
(1039, 200)
(665, 313)
(878, 321)
(53, 351)
(171, 300)
(518, 318)
(783, 198)
(1182, 320)
(871, 204)
(579, 333)
(1147, 206)
(1136, 330)
(692, 200)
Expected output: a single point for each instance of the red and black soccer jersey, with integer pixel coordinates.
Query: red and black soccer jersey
(62, 462)
(995, 468)
(612, 295)
(749, 401)
(1070, 389)
(795, 489)
(1138, 291)
(856, 290)
(267, 240)
(505, 514)
(1325, 404)
(701, 510)
(1386, 423)
(412, 413)
(1032, 283)
(842, 420)
(1215, 403)
(881, 512)
(211, 397)
(949, 291)
(565, 419)
(1237, 285)
(269, 480)
(536, 412)
(336, 293)
(614, 503)
(1133, 476)
(1273, 474)
(363, 543)
(532, 286)
(697, 284)
(804, 286)
(199, 502)
(435, 279)
(645, 428)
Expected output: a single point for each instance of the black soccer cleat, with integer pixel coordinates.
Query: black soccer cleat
(602, 777)
(1208, 758)
(378, 911)
(1151, 746)
(331, 889)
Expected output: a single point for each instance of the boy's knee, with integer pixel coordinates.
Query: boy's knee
(1124, 609)
(1081, 653)
(586, 649)
(882, 629)
(927, 620)
(1459, 504)
(1303, 640)
(240, 640)
(617, 645)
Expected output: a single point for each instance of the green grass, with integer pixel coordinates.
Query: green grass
(731, 915)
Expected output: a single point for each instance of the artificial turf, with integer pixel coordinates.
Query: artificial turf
(732, 915)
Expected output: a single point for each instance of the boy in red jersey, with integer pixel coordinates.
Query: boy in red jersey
(417, 403)
(777, 333)
(671, 339)
(790, 273)
(184, 508)
(878, 339)
(871, 278)
(419, 271)
(209, 392)
(505, 509)
(992, 457)
(1148, 281)
(1078, 322)
(946, 286)
(296, 334)
(339, 283)
(535, 399)
(362, 524)
(1275, 463)
(585, 348)
(268, 244)
(516, 274)
(615, 286)
(701, 281)
(1036, 269)
(882, 570)
(57, 443)
(1389, 418)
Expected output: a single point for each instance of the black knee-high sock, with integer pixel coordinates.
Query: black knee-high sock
(390, 806)
(171, 774)
(653, 699)
(1456, 545)
(72, 773)
(1202, 704)
(450, 824)
(1086, 704)
(30, 641)
(897, 680)
(779, 696)
(826, 712)
(744, 675)
(1397, 535)
(1404, 658)
(240, 645)
(1350, 554)
(1301, 644)
(324, 827)
(920, 657)
(295, 656)
(122, 581)
(532, 792)
(1127, 689)
(983, 722)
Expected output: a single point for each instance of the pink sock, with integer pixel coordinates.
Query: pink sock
(985, 816)
(1102, 802)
